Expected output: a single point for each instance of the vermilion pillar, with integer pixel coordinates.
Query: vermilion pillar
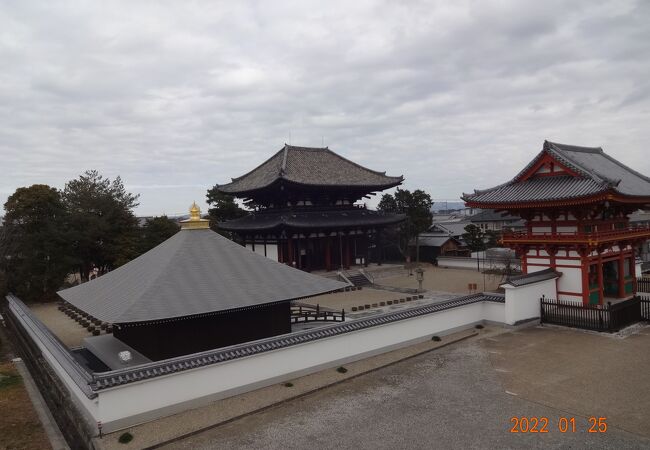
(601, 289)
(621, 275)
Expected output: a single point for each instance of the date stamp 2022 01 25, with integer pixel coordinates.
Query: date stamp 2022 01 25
(563, 425)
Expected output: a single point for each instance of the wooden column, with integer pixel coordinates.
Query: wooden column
(290, 251)
(621, 275)
(366, 249)
(632, 271)
(347, 252)
(601, 288)
(328, 253)
(380, 248)
(584, 262)
(298, 250)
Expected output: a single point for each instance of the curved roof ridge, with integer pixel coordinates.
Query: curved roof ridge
(311, 166)
(257, 167)
(560, 153)
(363, 167)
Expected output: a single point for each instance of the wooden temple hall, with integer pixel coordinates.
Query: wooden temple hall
(305, 212)
(196, 291)
(576, 203)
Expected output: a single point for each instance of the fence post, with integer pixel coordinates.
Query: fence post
(611, 316)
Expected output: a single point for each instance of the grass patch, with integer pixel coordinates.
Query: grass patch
(341, 369)
(288, 384)
(125, 438)
(8, 380)
(479, 327)
(19, 424)
(436, 338)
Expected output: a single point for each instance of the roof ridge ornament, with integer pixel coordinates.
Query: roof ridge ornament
(195, 222)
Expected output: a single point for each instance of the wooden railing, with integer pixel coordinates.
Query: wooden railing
(577, 237)
(308, 313)
(609, 317)
(643, 285)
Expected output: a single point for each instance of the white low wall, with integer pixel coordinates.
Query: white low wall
(523, 302)
(136, 402)
(132, 403)
(465, 262)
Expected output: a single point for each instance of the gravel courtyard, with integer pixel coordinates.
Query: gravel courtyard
(464, 396)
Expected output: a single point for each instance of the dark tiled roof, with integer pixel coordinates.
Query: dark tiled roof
(332, 218)
(455, 229)
(598, 173)
(491, 215)
(312, 167)
(433, 240)
(193, 272)
(534, 277)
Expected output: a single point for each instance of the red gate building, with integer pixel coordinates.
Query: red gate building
(576, 203)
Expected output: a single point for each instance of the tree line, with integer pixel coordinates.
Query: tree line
(52, 238)
(48, 234)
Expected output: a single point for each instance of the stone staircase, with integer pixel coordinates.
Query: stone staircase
(358, 278)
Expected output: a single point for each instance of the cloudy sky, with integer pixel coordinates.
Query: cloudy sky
(177, 96)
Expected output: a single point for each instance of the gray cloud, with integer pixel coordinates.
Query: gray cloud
(176, 97)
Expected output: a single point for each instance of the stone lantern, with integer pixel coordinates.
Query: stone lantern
(419, 275)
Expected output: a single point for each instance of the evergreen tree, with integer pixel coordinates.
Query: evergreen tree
(222, 207)
(105, 233)
(155, 231)
(35, 243)
(416, 206)
(474, 238)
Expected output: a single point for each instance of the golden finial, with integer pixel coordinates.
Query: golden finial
(195, 222)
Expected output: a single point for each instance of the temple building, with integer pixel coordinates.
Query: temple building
(576, 203)
(305, 213)
(196, 291)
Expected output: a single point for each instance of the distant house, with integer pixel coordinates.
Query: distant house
(491, 220)
(432, 245)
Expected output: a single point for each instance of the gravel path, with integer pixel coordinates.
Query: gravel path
(452, 398)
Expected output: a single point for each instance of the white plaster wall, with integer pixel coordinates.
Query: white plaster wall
(567, 229)
(546, 262)
(541, 229)
(460, 262)
(523, 303)
(571, 279)
(531, 269)
(272, 251)
(574, 254)
(145, 400)
(570, 298)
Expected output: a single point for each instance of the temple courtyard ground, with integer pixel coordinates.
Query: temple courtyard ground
(439, 284)
(465, 396)
(445, 280)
